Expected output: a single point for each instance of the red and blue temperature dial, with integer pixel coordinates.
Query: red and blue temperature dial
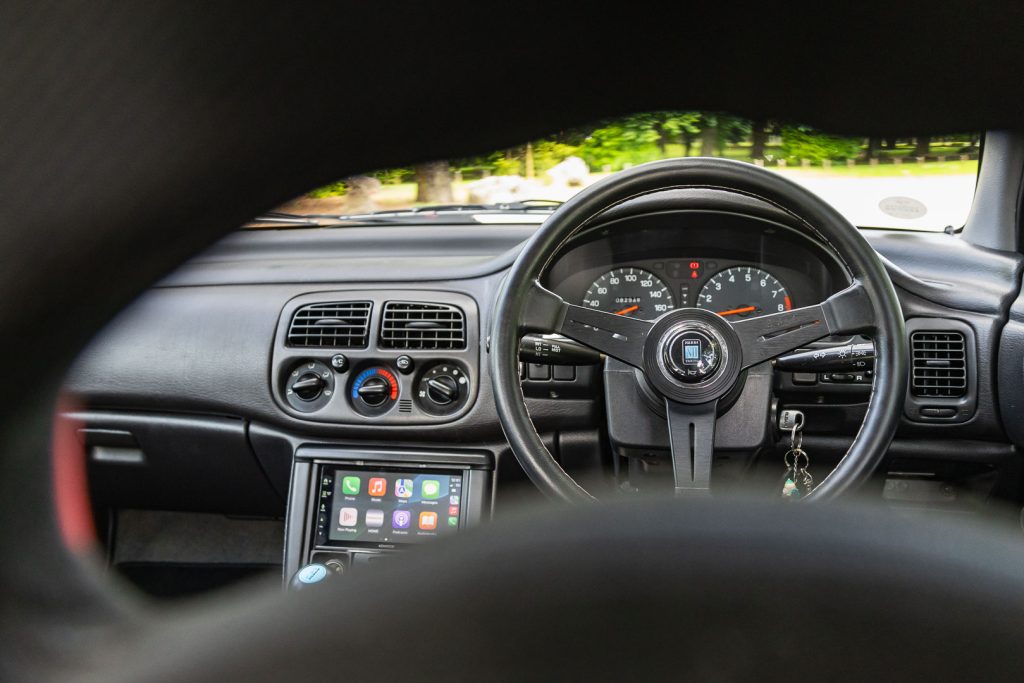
(375, 387)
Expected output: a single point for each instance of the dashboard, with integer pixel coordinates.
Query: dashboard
(286, 364)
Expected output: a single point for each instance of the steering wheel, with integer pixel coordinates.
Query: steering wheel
(693, 357)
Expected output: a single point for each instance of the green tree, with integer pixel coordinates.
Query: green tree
(801, 142)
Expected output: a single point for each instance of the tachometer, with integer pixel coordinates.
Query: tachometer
(744, 292)
(630, 291)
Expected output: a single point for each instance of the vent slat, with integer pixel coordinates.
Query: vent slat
(938, 364)
(338, 324)
(419, 325)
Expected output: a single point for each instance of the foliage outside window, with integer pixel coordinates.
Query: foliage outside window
(936, 172)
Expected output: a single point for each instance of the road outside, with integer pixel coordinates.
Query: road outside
(946, 199)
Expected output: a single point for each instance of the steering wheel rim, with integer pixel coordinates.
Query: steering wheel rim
(869, 305)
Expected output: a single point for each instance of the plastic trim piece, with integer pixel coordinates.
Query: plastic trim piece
(994, 220)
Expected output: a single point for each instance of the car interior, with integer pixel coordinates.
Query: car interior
(711, 371)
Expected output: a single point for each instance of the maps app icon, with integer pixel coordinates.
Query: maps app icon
(403, 488)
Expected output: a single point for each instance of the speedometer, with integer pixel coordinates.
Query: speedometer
(744, 292)
(630, 291)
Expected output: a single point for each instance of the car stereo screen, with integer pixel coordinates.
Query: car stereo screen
(386, 506)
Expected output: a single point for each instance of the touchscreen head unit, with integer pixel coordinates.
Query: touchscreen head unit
(386, 506)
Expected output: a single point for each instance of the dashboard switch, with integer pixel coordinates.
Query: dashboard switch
(564, 373)
(404, 364)
(539, 372)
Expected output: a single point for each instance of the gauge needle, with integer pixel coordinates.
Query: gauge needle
(735, 311)
(624, 311)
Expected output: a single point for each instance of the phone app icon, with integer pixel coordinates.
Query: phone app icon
(378, 487)
(348, 517)
(431, 488)
(428, 521)
(374, 519)
(453, 510)
(401, 519)
(403, 488)
(453, 521)
(350, 486)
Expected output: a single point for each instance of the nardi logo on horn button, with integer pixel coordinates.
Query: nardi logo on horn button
(692, 356)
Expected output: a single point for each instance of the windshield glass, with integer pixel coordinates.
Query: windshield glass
(915, 183)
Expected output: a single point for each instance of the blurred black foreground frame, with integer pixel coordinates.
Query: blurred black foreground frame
(133, 135)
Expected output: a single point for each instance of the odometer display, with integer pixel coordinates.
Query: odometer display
(744, 292)
(630, 291)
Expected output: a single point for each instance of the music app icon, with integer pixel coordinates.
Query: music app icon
(378, 487)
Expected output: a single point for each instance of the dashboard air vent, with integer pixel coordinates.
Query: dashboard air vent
(339, 325)
(416, 325)
(939, 364)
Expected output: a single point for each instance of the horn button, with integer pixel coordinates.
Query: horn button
(692, 356)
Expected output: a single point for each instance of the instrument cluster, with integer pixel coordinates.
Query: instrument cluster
(730, 289)
(736, 266)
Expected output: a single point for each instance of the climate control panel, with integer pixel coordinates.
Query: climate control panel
(441, 388)
(377, 357)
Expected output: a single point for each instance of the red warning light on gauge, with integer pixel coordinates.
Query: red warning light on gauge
(694, 270)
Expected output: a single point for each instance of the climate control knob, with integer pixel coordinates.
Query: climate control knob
(443, 389)
(309, 386)
(374, 391)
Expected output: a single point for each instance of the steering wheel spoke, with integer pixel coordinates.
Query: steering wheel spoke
(772, 335)
(691, 429)
(618, 336)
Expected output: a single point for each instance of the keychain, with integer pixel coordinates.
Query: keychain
(797, 481)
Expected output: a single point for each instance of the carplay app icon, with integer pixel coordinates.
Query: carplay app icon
(378, 487)
(431, 488)
(428, 521)
(348, 516)
(401, 519)
(374, 519)
(403, 488)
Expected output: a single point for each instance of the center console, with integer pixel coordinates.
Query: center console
(349, 508)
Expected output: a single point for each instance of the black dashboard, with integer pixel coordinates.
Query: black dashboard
(199, 375)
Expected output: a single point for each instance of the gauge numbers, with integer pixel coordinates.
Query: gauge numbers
(630, 291)
(744, 292)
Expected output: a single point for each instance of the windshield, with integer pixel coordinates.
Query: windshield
(915, 183)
